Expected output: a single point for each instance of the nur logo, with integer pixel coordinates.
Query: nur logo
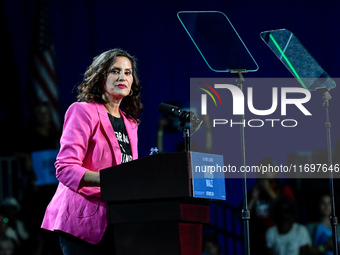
(239, 104)
(238, 99)
(204, 98)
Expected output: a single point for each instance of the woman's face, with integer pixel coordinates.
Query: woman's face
(325, 206)
(119, 80)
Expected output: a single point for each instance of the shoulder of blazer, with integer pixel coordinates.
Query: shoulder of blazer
(84, 112)
(90, 108)
(100, 109)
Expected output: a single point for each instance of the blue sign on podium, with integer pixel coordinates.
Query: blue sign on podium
(207, 176)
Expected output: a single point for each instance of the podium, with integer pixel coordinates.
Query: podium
(151, 207)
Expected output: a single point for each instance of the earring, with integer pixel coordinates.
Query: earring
(131, 92)
(100, 90)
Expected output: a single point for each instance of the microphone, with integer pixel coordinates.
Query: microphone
(170, 110)
(183, 116)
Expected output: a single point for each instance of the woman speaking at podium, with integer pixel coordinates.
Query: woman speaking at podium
(100, 131)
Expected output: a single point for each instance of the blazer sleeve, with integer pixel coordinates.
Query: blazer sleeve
(77, 130)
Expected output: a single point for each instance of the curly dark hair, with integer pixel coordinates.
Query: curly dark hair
(91, 89)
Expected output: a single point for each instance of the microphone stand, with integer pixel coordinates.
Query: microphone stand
(185, 118)
(333, 218)
(186, 135)
(245, 211)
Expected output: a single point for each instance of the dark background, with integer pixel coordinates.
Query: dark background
(167, 60)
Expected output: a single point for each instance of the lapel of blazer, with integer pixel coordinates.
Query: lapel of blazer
(130, 127)
(109, 133)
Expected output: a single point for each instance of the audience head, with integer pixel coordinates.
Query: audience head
(284, 210)
(210, 245)
(325, 205)
(267, 162)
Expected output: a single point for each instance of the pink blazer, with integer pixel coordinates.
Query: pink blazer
(88, 142)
